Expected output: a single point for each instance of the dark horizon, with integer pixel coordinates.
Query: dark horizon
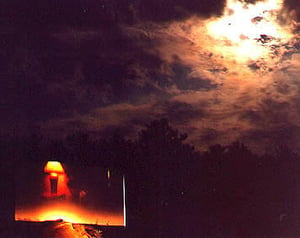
(172, 189)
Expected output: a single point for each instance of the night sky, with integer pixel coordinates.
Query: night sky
(103, 65)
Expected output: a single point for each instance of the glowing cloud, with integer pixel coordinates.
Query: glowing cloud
(249, 31)
(242, 52)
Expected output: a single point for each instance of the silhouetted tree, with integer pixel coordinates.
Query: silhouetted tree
(162, 159)
(173, 190)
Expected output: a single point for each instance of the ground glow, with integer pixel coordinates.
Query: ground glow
(70, 212)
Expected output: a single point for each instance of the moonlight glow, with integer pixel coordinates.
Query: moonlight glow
(249, 31)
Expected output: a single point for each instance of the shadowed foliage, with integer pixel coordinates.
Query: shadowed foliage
(174, 190)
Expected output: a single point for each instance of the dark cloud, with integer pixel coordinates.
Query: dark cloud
(209, 135)
(183, 80)
(166, 10)
(268, 113)
(52, 69)
(283, 87)
(128, 131)
(48, 14)
(273, 123)
(251, 115)
(266, 139)
(180, 113)
(293, 5)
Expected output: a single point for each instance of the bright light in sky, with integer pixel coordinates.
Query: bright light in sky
(249, 31)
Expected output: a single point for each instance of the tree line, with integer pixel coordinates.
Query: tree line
(173, 190)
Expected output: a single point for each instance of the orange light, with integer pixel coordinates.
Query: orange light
(53, 167)
(70, 212)
(108, 173)
(53, 215)
(53, 175)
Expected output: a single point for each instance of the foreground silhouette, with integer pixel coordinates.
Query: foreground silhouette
(174, 190)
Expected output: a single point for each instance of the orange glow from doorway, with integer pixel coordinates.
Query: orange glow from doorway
(77, 204)
(53, 167)
(54, 172)
(53, 175)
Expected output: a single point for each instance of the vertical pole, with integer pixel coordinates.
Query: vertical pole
(124, 201)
